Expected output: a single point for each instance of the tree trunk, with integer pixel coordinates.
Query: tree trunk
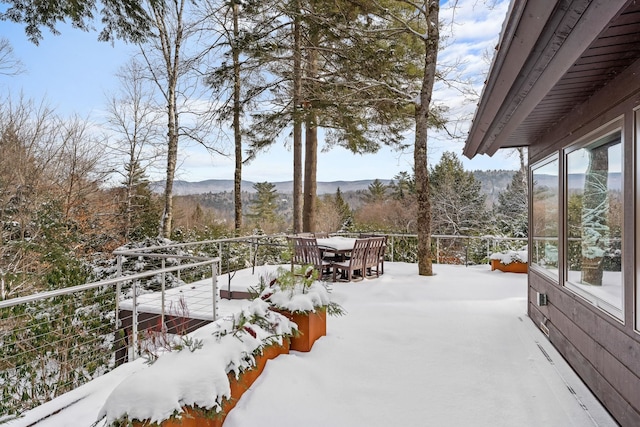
(297, 123)
(129, 196)
(423, 220)
(595, 208)
(311, 140)
(237, 178)
(172, 159)
(310, 172)
(171, 55)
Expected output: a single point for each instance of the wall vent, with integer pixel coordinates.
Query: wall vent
(541, 299)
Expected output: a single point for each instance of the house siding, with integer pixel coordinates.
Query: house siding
(603, 350)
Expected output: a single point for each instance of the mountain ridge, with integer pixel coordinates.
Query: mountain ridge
(492, 182)
(185, 188)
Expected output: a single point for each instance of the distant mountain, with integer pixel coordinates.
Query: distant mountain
(492, 183)
(575, 181)
(185, 188)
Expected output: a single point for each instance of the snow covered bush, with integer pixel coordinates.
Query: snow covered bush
(198, 377)
(297, 291)
(508, 257)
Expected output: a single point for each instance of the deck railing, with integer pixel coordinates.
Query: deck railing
(55, 341)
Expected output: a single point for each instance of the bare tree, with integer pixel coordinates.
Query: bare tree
(9, 64)
(23, 127)
(173, 64)
(47, 169)
(134, 124)
(76, 172)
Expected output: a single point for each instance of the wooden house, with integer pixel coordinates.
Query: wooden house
(565, 83)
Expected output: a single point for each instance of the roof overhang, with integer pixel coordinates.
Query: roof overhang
(552, 56)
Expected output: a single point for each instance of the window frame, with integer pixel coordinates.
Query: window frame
(553, 274)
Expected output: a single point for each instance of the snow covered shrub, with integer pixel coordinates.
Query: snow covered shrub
(297, 291)
(198, 378)
(508, 257)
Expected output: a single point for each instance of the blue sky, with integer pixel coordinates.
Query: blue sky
(74, 72)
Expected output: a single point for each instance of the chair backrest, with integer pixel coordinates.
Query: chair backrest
(359, 253)
(369, 235)
(376, 249)
(306, 252)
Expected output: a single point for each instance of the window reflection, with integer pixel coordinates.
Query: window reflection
(594, 220)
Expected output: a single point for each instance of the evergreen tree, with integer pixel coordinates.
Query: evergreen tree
(377, 192)
(263, 206)
(141, 212)
(350, 75)
(345, 212)
(511, 211)
(458, 206)
(402, 186)
(125, 19)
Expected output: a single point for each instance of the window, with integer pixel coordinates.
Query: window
(544, 228)
(594, 214)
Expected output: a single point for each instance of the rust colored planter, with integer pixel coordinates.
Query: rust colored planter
(512, 267)
(311, 327)
(197, 417)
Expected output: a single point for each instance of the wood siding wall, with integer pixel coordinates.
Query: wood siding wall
(604, 351)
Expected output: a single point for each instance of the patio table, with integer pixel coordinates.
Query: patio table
(337, 245)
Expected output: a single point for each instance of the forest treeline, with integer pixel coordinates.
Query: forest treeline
(218, 194)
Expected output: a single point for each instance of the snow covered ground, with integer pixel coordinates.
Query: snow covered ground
(454, 349)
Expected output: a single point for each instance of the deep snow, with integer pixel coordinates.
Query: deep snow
(454, 349)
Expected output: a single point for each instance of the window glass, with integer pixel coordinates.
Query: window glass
(544, 190)
(594, 222)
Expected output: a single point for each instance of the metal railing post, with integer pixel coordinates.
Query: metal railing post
(214, 288)
(134, 323)
(118, 290)
(393, 246)
(162, 296)
(466, 253)
(251, 243)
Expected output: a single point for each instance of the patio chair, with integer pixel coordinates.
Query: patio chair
(355, 263)
(375, 257)
(381, 253)
(306, 252)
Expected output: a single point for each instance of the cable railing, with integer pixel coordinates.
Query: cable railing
(448, 249)
(55, 341)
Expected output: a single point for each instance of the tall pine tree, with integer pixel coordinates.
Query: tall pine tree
(511, 210)
(458, 206)
(263, 207)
